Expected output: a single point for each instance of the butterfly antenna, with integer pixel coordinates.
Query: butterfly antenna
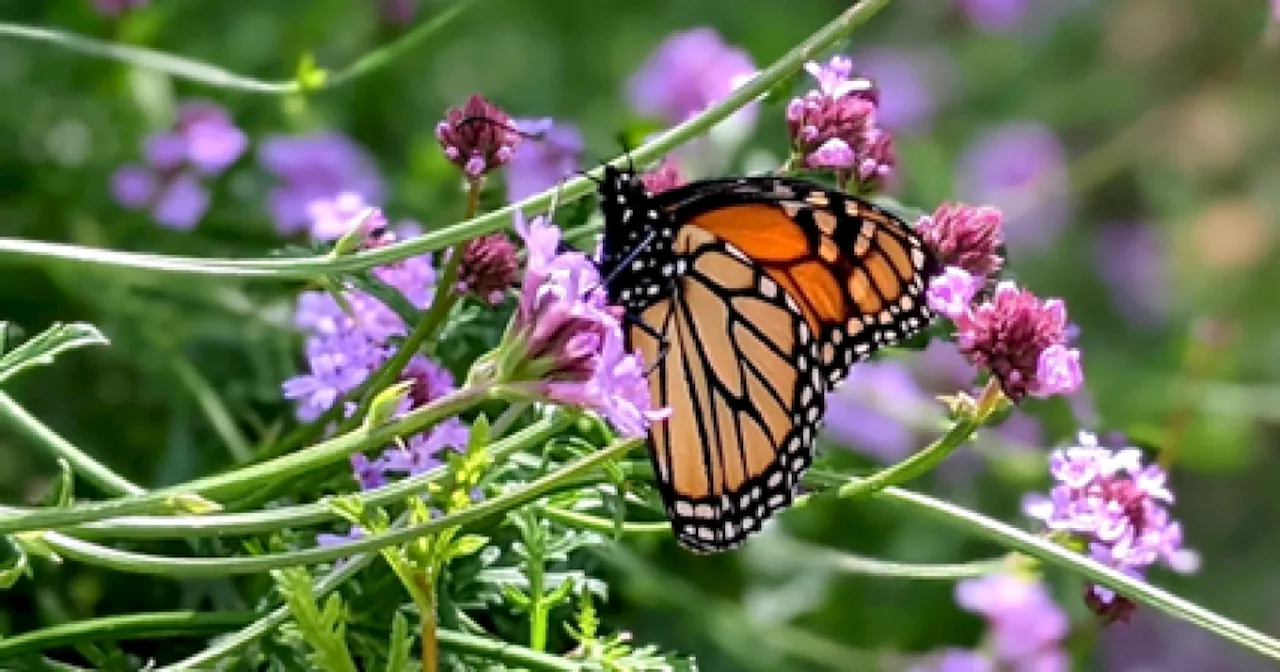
(644, 244)
(540, 134)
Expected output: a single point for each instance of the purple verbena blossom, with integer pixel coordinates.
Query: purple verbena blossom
(478, 137)
(566, 344)
(430, 380)
(966, 237)
(332, 218)
(951, 293)
(421, 453)
(348, 340)
(835, 126)
(666, 176)
(315, 167)
(687, 73)
(1107, 499)
(1021, 169)
(1025, 627)
(1012, 334)
(542, 162)
(488, 268)
(203, 143)
(326, 539)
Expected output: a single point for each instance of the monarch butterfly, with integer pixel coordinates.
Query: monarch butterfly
(750, 298)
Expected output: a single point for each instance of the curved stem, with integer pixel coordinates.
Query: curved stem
(229, 524)
(586, 521)
(152, 625)
(251, 476)
(279, 269)
(140, 563)
(81, 463)
(212, 75)
(1051, 553)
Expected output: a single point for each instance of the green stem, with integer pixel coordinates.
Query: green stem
(81, 463)
(586, 521)
(15, 250)
(252, 476)
(152, 625)
(140, 563)
(185, 68)
(1051, 553)
(809, 555)
(230, 524)
(918, 464)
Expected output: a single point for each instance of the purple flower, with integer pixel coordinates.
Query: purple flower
(115, 8)
(181, 203)
(478, 137)
(337, 364)
(1008, 335)
(421, 453)
(326, 540)
(996, 16)
(835, 126)
(1025, 626)
(666, 176)
(966, 237)
(912, 84)
(332, 218)
(203, 142)
(488, 268)
(315, 167)
(687, 73)
(951, 293)
(1131, 261)
(430, 380)
(566, 345)
(1021, 169)
(370, 474)
(1107, 499)
(542, 163)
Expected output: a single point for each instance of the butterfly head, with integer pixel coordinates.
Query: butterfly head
(637, 242)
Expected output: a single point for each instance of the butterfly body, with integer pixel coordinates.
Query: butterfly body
(751, 298)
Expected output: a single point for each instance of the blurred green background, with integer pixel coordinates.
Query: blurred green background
(1131, 142)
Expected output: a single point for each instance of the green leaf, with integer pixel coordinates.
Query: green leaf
(398, 647)
(560, 594)
(43, 347)
(321, 629)
(467, 545)
(516, 598)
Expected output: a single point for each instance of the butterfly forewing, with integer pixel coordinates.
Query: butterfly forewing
(751, 298)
